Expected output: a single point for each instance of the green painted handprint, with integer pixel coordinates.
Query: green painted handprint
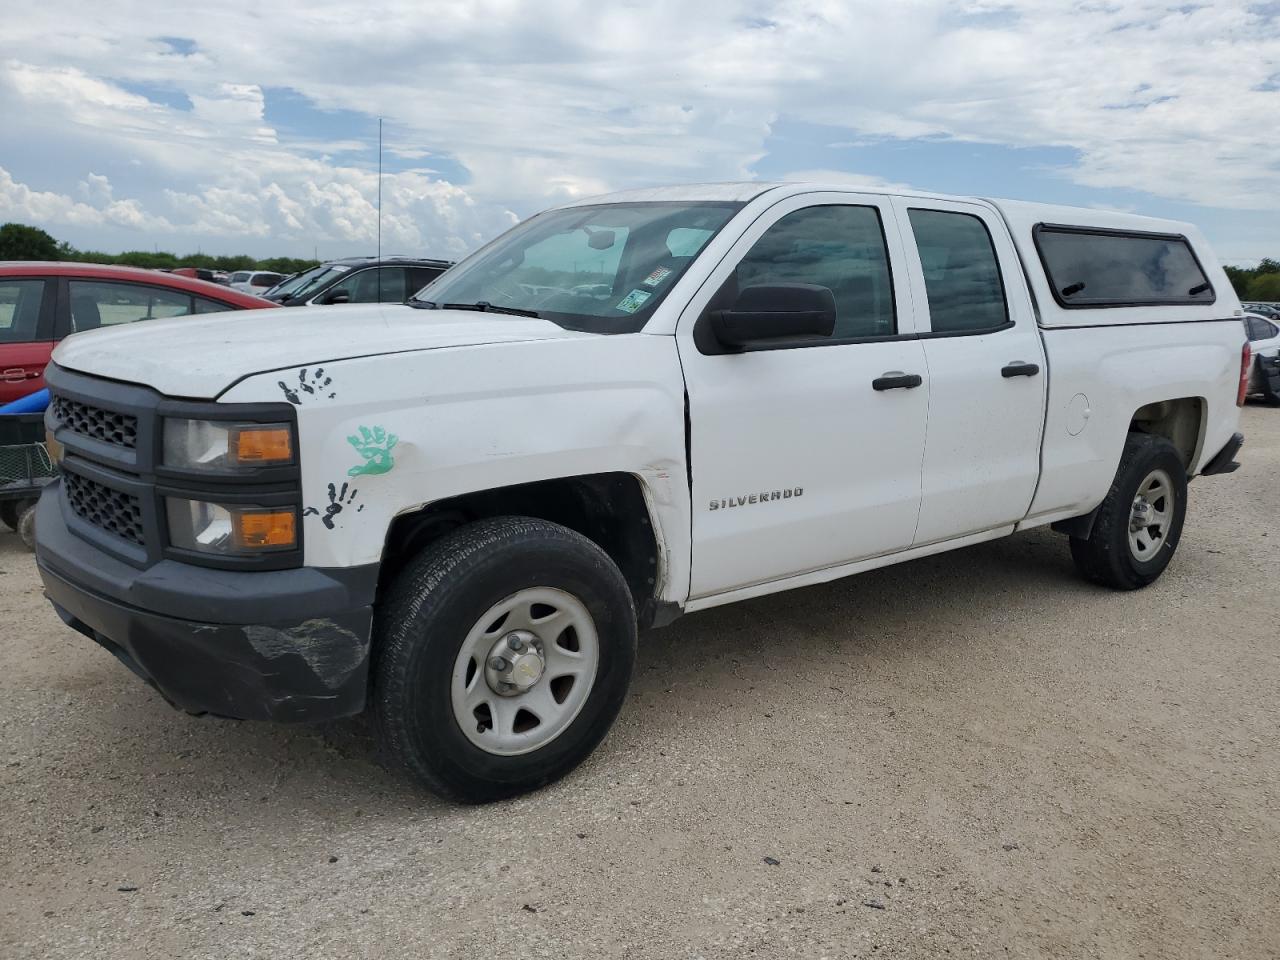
(374, 444)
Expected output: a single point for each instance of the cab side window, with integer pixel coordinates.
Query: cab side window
(961, 272)
(20, 310)
(100, 304)
(841, 248)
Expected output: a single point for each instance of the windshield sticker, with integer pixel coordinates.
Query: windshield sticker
(375, 445)
(633, 301)
(659, 274)
(316, 385)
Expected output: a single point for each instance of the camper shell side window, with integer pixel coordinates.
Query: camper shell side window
(1094, 267)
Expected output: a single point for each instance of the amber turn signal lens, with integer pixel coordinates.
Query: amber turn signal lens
(52, 446)
(263, 446)
(256, 531)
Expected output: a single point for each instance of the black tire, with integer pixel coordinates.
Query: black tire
(9, 513)
(26, 526)
(1106, 557)
(429, 609)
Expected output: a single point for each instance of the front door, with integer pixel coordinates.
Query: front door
(806, 455)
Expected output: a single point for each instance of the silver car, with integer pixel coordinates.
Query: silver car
(1264, 340)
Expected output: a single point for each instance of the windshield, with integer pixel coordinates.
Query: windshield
(308, 280)
(602, 269)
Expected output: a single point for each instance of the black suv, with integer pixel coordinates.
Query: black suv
(358, 280)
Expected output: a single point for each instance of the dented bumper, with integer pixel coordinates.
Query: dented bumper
(289, 645)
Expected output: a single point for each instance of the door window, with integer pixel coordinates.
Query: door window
(1259, 329)
(363, 286)
(841, 248)
(20, 310)
(391, 286)
(961, 272)
(419, 277)
(100, 304)
(210, 306)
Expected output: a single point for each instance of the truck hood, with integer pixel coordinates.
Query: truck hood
(199, 357)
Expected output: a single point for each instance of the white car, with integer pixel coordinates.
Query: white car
(254, 281)
(624, 409)
(1264, 340)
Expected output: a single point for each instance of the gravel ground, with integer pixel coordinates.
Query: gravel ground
(971, 754)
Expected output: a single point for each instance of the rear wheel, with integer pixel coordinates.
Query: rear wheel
(9, 510)
(1139, 524)
(502, 656)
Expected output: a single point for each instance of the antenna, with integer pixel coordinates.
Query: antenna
(379, 202)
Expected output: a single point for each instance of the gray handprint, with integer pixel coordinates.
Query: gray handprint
(317, 384)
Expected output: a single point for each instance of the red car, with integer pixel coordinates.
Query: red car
(40, 303)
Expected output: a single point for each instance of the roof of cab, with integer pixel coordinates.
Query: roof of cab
(1020, 216)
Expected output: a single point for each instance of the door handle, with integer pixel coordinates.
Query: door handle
(896, 380)
(1019, 369)
(17, 375)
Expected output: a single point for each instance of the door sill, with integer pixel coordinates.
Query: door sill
(827, 574)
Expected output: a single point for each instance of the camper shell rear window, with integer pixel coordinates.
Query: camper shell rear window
(1091, 267)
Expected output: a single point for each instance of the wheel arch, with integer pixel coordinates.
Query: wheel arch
(1180, 420)
(614, 510)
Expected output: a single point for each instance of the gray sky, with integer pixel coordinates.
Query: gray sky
(251, 127)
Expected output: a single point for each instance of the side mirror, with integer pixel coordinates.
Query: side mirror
(341, 295)
(778, 311)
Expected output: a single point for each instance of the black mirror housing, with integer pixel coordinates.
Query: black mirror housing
(776, 311)
(341, 295)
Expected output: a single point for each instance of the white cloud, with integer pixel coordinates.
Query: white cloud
(20, 202)
(539, 102)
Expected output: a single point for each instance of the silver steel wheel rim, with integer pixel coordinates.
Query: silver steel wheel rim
(553, 627)
(1151, 515)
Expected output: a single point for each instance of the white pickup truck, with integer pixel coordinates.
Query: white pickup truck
(458, 516)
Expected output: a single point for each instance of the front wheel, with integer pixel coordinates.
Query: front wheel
(1140, 522)
(502, 656)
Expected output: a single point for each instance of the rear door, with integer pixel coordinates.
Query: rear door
(986, 369)
(26, 334)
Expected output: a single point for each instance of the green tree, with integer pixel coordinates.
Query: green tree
(1240, 280)
(21, 242)
(1265, 286)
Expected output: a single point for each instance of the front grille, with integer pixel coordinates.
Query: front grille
(105, 508)
(120, 429)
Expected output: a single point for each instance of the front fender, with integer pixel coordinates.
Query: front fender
(381, 436)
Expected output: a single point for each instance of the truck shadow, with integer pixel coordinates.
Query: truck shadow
(873, 616)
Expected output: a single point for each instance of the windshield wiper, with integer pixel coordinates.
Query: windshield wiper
(420, 304)
(484, 306)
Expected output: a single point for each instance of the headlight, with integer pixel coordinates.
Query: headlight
(217, 446)
(230, 529)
